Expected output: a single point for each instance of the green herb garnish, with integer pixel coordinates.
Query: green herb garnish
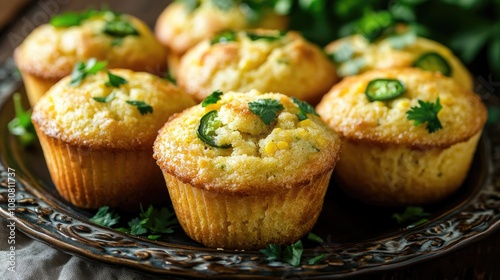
(142, 106)
(291, 254)
(105, 99)
(212, 98)
(170, 78)
(115, 80)
(384, 89)
(254, 36)
(313, 237)
(152, 221)
(410, 213)
(266, 109)
(224, 37)
(190, 5)
(120, 28)
(373, 24)
(207, 127)
(21, 125)
(432, 61)
(224, 5)
(304, 109)
(69, 19)
(82, 70)
(316, 259)
(105, 217)
(426, 113)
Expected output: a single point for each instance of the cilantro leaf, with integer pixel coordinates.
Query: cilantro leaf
(105, 99)
(316, 259)
(21, 125)
(272, 252)
(68, 19)
(212, 98)
(313, 237)
(305, 108)
(426, 113)
(137, 227)
(159, 221)
(410, 213)
(142, 106)
(115, 80)
(120, 28)
(105, 217)
(293, 254)
(83, 69)
(254, 36)
(267, 109)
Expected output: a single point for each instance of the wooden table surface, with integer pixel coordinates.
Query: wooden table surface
(480, 260)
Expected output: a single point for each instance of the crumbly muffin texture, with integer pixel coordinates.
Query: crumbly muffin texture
(262, 158)
(354, 55)
(71, 114)
(180, 28)
(266, 60)
(347, 109)
(51, 52)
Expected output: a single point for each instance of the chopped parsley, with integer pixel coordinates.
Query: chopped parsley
(304, 109)
(115, 80)
(212, 98)
(224, 37)
(426, 113)
(268, 37)
(82, 70)
(120, 28)
(267, 109)
(142, 106)
(291, 254)
(313, 237)
(105, 99)
(21, 125)
(316, 259)
(410, 213)
(153, 222)
(69, 19)
(170, 78)
(105, 217)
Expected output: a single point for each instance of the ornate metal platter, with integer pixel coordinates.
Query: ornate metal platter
(358, 238)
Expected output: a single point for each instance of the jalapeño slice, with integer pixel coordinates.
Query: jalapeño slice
(432, 61)
(207, 127)
(384, 89)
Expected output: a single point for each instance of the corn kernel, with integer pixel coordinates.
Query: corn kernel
(277, 129)
(304, 123)
(283, 145)
(271, 148)
(303, 133)
(404, 104)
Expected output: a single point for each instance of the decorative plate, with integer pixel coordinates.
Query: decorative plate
(358, 238)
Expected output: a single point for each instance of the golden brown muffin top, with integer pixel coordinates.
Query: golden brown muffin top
(180, 27)
(252, 156)
(266, 60)
(348, 111)
(51, 52)
(72, 114)
(355, 54)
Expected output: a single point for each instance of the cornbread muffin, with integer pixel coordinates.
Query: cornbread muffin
(51, 50)
(388, 157)
(354, 55)
(181, 26)
(266, 60)
(243, 180)
(97, 137)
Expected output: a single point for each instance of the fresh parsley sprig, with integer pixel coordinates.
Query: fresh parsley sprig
(105, 217)
(304, 109)
(153, 221)
(120, 28)
(83, 69)
(21, 125)
(224, 37)
(291, 254)
(142, 106)
(426, 113)
(115, 80)
(212, 98)
(105, 99)
(267, 109)
(417, 215)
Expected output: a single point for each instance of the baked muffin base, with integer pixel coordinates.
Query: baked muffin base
(400, 176)
(36, 87)
(246, 222)
(93, 178)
